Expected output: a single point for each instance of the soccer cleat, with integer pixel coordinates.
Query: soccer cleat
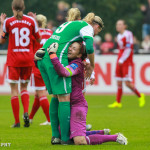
(88, 127)
(45, 123)
(107, 131)
(121, 139)
(26, 120)
(17, 125)
(115, 105)
(142, 100)
(55, 140)
(69, 142)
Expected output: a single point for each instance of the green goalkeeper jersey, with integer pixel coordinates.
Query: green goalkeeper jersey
(67, 33)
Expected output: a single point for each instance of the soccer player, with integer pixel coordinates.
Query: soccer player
(37, 82)
(20, 29)
(125, 64)
(72, 15)
(79, 106)
(61, 86)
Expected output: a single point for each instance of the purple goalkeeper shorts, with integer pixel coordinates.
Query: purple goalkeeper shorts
(78, 121)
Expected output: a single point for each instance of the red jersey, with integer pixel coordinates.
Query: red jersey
(125, 45)
(45, 34)
(20, 47)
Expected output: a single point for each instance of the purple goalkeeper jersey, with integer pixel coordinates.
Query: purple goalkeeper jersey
(75, 70)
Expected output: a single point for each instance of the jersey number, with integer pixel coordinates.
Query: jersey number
(22, 37)
(62, 27)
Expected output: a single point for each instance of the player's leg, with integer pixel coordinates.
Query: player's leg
(13, 79)
(117, 103)
(141, 96)
(127, 76)
(15, 103)
(40, 89)
(25, 73)
(99, 139)
(101, 132)
(54, 120)
(44, 103)
(64, 116)
(118, 77)
(36, 103)
(35, 107)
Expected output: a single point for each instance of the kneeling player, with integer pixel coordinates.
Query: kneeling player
(79, 106)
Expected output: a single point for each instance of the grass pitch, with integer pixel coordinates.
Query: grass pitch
(132, 121)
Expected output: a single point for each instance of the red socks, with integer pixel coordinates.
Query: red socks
(136, 92)
(35, 107)
(25, 100)
(15, 108)
(44, 103)
(119, 94)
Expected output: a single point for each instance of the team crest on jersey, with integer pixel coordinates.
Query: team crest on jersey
(74, 66)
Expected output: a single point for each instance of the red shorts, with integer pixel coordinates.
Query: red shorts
(16, 73)
(123, 72)
(37, 82)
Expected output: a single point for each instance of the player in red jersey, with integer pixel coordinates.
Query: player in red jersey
(20, 29)
(36, 78)
(124, 64)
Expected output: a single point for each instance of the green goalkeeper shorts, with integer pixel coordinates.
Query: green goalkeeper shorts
(55, 84)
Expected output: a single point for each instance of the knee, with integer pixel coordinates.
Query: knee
(14, 89)
(127, 84)
(80, 140)
(23, 86)
(119, 83)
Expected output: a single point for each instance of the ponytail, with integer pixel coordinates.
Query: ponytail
(73, 14)
(89, 18)
(18, 6)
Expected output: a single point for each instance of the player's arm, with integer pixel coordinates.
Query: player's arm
(3, 34)
(87, 34)
(125, 54)
(36, 32)
(68, 71)
(127, 50)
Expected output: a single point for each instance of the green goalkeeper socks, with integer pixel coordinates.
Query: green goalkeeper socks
(54, 117)
(64, 118)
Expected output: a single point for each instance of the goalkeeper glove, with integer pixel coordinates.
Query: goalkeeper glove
(52, 48)
(39, 54)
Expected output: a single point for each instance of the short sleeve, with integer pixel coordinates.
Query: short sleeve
(87, 32)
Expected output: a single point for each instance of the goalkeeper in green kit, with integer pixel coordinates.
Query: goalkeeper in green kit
(60, 87)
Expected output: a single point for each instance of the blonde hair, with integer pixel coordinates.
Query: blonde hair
(41, 20)
(90, 18)
(18, 6)
(73, 14)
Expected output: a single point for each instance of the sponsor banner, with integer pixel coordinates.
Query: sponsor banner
(104, 75)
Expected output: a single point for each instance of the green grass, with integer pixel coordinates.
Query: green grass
(132, 121)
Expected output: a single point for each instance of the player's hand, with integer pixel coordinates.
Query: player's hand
(52, 48)
(39, 54)
(92, 80)
(89, 69)
(120, 62)
(31, 14)
(2, 18)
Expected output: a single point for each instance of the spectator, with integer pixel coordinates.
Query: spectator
(51, 25)
(97, 43)
(146, 44)
(136, 45)
(108, 45)
(146, 22)
(62, 12)
(80, 7)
